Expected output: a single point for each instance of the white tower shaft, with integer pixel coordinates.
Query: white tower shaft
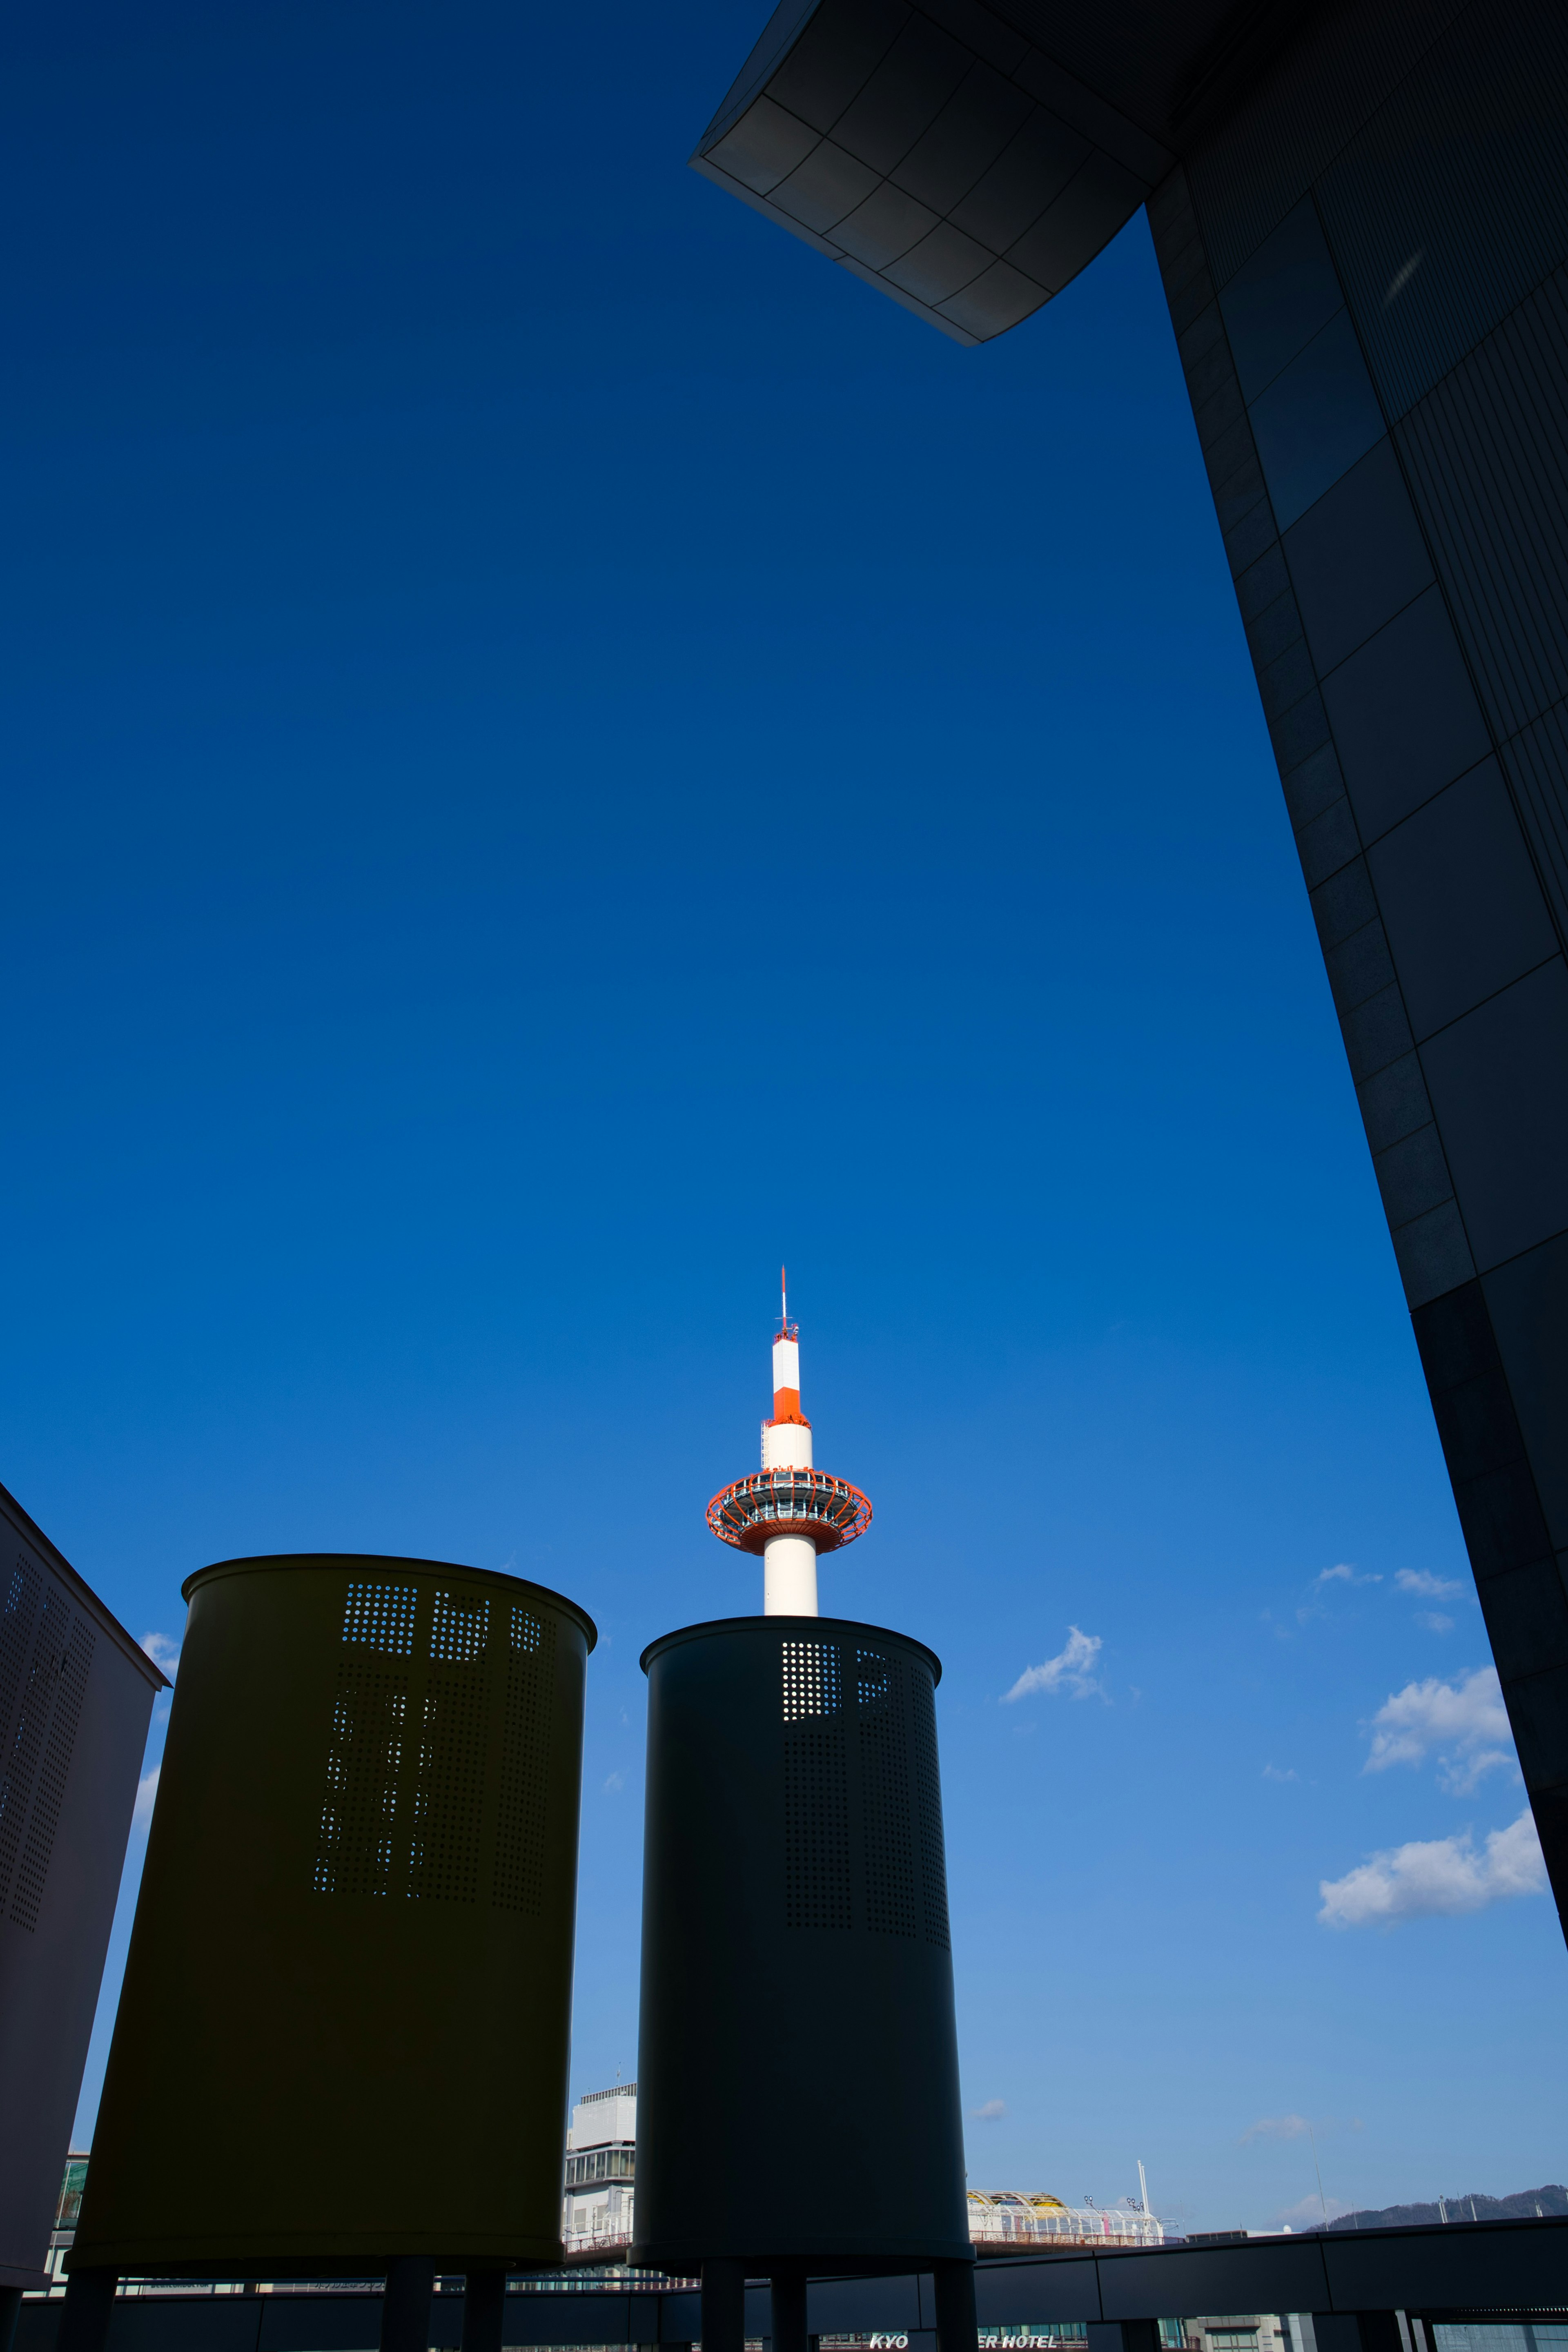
(789, 1562)
(789, 1577)
(790, 1511)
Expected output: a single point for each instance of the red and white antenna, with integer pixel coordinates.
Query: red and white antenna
(789, 1511)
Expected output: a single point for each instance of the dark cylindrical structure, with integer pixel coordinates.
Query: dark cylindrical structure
(797, 2066)
(344, 2034)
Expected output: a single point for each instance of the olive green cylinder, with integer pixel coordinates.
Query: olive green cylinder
(344, 2028)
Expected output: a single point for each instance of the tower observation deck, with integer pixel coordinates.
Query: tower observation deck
(788, 1510)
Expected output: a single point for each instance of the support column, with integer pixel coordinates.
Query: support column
(406, 2304)
(10, 2306)
(484, 2310)
(89, 2307)
(1355, 2331)
(957, 2330)
(723, 2307)
(1124, 2336)
(789, 2311)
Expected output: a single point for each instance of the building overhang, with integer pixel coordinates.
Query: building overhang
(970, 159)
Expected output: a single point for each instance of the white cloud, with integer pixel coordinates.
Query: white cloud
(992, 2112)
(1277, 2127)
(1434, 1621)
(1344, 1574)
(617, 1780)
(146, 1791)
(1307, 2213)
(164, 1651)
(1462, 1776)
(1435, 1875)
(1072, 1670)
(1466, 1719)
(1272, 1773)
(1431, 1588)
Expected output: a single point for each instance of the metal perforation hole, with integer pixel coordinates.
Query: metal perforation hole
(927, 1800)
(811, 1685)
(891, 1902)
(817, 1883)
(448, 1791)
(873, 1681)
(518, 1879)
(24, 1752)
(358, 1850)
(817, 1888)
(381, 1617)
(461, 1627)
(70, 1690)
(16, 1632)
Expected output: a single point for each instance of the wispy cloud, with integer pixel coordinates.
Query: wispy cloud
(615, 1780)
(1273, 1772)
(1430, 1587)
(1308, 2211)
(1342, 1572)
(165, 1651)
(1277, 2127)
(146, 1791)
(992, 2112)
(1434, 1621)
(1466, 1719)
(1071, 1670)
(1433, 1876)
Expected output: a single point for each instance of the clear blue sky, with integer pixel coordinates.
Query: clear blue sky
(562, 751)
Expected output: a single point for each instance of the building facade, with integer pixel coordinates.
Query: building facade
(599, 2205)
(76, 1698)
(1359, 209)
(1011, 2217)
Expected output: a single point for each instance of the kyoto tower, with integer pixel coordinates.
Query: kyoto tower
(795, 1953)
(788, 1510)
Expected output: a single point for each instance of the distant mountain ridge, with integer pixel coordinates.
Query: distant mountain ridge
(1525, 2205)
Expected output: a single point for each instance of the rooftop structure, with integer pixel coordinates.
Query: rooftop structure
(789, 1510)
(598, 2206)
(1009, 2217)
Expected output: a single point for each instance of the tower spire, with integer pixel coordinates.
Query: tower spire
(789, 1510)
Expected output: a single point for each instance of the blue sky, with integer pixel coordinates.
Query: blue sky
(564, 752)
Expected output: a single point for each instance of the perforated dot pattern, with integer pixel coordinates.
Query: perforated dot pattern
(519, 1879)
(25, 1747)
(863, 1836)
(15, 1635)
(811, 1685)
(381, 1617)
(927, 1805)
(70, 1690)
(439, 1779)
(461, 1627)
(449, 1789)
(363, 1848)
(891, 1901)
(818, 1885)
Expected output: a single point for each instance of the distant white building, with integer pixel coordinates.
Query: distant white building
(1006, 2217)
(601, 2172)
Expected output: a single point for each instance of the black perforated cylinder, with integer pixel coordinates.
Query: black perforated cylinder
(349, 1981)
(797, 2066)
